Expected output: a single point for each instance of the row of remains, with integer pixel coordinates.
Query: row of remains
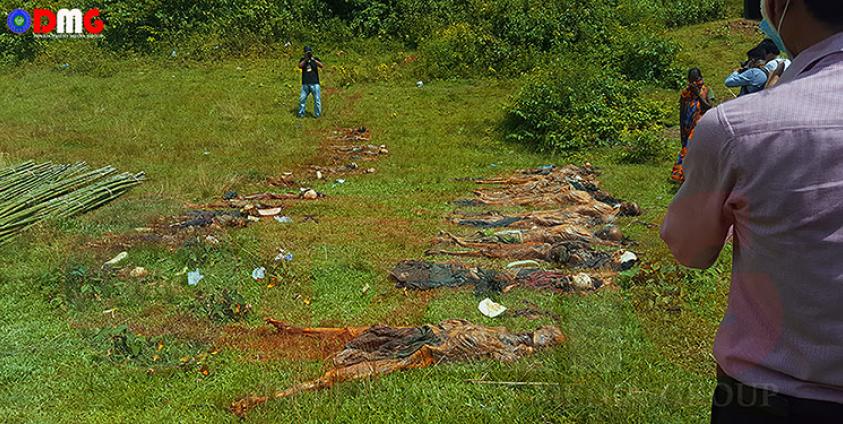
(577, 234)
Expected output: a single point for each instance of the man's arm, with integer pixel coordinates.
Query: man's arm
(752, 76)
(698, 219)
(318, 62)
(302, 63)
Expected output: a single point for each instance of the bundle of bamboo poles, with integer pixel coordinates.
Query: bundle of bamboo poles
(31, 193)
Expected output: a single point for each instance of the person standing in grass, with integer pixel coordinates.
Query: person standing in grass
(752, 76)
(310, 82)
(767, 169)
(694, 102)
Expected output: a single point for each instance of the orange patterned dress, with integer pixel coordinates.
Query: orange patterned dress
(691, 109)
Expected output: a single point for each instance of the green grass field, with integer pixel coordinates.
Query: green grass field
(637, 354)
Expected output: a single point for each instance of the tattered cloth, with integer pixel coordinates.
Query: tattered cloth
(552, 280)
(419, 275)
(453, 340)
(382, 342)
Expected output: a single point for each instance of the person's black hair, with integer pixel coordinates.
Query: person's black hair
(758, 53)
(828, 11)
(694, 74)
(770, 46)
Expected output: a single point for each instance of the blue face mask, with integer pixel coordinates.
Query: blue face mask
(773, 33)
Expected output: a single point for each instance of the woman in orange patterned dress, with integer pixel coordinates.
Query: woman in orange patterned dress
(694, 102)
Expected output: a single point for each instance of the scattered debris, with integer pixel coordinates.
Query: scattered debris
(283, 219)
(490, 309)
(380, 350)
(523, 264)
(138, 272)
(628, 260)
(269, 212)
(283, 256)
(194, 277)
(116, 260)
(259, 273)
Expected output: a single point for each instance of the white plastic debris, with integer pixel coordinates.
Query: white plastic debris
(269, 212)
(419, 84)
(318, 175)
(583, 282)
(251, 218)
(628, 259)
(194, 277)
(259, 273)
(366, 288)
(117, 259)
(283, 219)
(310, 194)
(212, 240)
(340, 181)
(283, 255)
(529, 263)
(490, 309)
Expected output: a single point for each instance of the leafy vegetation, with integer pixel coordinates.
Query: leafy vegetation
(642, 147)
(576, 104)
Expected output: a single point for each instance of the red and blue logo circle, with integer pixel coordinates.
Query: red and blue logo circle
(19, 21)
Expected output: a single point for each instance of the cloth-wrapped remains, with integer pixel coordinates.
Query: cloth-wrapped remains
(380, 350)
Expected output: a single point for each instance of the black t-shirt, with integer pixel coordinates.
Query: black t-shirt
(310, 72)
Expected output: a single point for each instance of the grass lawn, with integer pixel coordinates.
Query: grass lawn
(637, 354)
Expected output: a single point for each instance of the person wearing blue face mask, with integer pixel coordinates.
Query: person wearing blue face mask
(767, 170)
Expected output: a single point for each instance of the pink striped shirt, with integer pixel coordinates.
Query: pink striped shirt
(770, 166)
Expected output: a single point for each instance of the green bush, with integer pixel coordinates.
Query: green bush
(687, 12)
(577, 104)
(456, 50)
(16, 48)
(649, 58)
(642, 147)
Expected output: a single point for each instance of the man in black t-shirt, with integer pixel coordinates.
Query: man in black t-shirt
(310, 82)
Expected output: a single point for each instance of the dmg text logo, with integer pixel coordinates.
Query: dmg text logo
(66, 23)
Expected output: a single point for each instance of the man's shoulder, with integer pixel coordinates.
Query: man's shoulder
(805, 103)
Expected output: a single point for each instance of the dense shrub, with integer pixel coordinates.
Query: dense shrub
(686, 12)
(576, 104)
(642, 147)
(648, 58)
(16, 48)
(232, 24)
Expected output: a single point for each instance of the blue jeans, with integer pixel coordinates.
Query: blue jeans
(317, 99)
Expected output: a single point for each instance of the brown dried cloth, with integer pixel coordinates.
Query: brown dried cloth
(455, 340)
(552, 280)
(382, 342)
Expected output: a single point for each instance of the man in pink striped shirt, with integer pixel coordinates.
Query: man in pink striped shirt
(770, 166)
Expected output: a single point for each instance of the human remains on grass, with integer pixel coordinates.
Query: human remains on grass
(572, 254)
(380, 350)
